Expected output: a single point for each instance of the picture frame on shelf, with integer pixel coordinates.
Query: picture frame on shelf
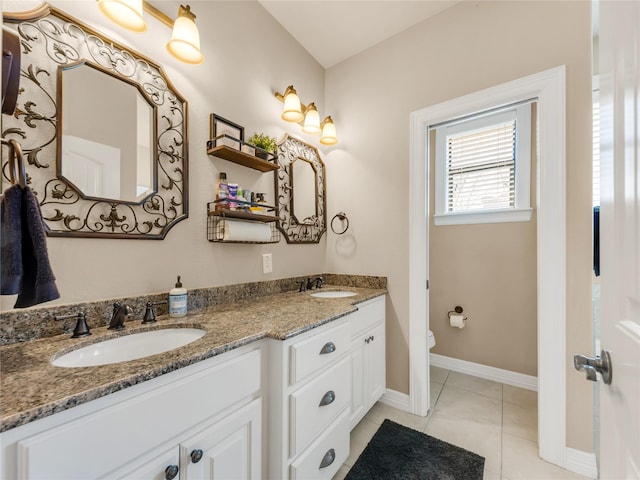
(219, 126)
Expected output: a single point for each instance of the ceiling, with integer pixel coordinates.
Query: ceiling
(334, 30)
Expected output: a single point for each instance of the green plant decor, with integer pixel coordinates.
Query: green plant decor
(264, 142)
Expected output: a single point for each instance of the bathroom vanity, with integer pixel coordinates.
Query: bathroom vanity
(273, 395)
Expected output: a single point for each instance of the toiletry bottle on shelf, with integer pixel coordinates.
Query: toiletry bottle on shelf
(233, 195)
(222, 192)
(178, 300)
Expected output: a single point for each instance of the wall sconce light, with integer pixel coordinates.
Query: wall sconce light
(307, 116)
(292, 110)
(185, 38)
(311, 120)
(329, 136)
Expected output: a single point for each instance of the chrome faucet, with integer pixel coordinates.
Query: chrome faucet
(119, 314)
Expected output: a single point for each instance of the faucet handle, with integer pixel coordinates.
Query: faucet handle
(150, 314)
(81, 329)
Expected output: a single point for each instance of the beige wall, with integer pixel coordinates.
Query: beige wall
(248, 57)
(490, 271)
(472, 46)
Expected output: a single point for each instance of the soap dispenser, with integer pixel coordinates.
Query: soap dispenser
(178, 300)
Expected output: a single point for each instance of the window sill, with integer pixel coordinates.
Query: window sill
(489, 216)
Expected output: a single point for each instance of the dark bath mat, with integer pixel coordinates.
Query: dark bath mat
(400, 453)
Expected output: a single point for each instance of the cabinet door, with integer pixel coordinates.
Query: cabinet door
(357, 381)
(374, 364)
(229, 449)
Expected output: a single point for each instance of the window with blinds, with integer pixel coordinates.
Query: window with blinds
(596, 148)
(483, 167)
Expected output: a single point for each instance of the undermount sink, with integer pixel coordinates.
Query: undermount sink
(129, 347)
(333, 294)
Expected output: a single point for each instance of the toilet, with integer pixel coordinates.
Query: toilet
(432, 340)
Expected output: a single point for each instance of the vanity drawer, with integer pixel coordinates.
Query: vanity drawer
(318, 351)
(317, 404)
(368, 314)
(324, 458)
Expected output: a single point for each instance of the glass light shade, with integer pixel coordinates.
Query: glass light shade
(311, 120)
(185, 38)
(292, 110)
(126, 13)
(329, 136)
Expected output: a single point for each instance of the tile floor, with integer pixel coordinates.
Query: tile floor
(494, 420)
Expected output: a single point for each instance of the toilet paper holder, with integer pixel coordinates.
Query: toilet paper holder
(456, 319)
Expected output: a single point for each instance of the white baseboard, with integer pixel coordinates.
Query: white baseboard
(581, 462)
(396, 400)
(515, 379)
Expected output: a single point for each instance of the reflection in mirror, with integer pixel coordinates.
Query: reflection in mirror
(103, 129)
(300, 184)
(106, 142)
(303, 185)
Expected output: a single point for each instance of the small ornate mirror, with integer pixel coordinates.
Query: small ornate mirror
(103, 130)
(300, 192)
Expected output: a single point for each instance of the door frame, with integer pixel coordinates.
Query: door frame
(548, 87)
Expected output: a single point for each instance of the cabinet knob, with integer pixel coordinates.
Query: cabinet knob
(171, 472)
(328, 458)
(328, 347)
(196, 455)
(372, 338)
(327, 398)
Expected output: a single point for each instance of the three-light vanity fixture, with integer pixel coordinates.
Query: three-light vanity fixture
(185, 38)
(307, 116)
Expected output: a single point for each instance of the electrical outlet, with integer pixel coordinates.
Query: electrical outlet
(267, 263)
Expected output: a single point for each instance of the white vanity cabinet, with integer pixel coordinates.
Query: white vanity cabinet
(310, 395)
(210, 411)
(368, 372)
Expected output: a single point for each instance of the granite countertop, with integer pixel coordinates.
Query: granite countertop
(31, 388)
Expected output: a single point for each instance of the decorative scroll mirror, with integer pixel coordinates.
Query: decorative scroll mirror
(103, 130)
(300, 192)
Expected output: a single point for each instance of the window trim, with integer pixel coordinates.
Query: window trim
(522, 211)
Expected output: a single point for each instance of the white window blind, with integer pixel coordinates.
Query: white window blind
(596, 148)
(483, 167)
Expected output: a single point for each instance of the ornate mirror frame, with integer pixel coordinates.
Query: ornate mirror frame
(51, 40)
(294, 230)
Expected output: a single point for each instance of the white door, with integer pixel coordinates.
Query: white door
(620, 237)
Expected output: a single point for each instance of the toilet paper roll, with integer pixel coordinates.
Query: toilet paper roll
(457, 321)
(239, 231)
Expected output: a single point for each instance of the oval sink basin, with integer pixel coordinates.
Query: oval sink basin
(333, 294)
(129, 347)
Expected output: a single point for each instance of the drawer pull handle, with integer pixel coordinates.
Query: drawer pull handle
(171, 472)
(329, 347)
(328, 458)
(327, 398)
(196, 455)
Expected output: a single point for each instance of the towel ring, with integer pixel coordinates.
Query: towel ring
(15, 156)
(342, 217)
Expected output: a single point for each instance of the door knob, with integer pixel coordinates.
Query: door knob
(591, 365)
